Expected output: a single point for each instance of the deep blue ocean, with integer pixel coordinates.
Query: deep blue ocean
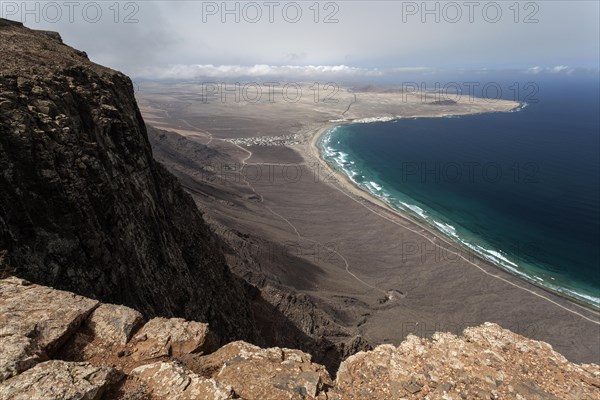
(520, 189)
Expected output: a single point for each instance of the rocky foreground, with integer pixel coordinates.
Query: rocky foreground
(58, 345)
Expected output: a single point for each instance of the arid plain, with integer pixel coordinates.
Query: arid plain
(254, 170)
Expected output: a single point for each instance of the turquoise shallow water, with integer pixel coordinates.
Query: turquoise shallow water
(520, 189)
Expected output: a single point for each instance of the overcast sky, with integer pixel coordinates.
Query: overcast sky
(187, 38)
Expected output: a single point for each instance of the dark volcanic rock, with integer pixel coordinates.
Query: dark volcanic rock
(83, 205)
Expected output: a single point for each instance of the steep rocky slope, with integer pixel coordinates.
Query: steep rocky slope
(56, 345)
(283, 317)
(83, 205)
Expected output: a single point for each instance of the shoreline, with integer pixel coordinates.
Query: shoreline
(351, 189)
(372, 286)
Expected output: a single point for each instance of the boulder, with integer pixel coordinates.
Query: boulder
(114, 324)
(17, 354)
(34, 322)
(60, 380)
(171, 381)
(255, 373)
(485, 362)
(163, 337)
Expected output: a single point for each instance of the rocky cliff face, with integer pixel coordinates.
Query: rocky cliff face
(56, 345)
(83, 205)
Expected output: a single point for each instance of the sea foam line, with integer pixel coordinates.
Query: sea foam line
(449, 231)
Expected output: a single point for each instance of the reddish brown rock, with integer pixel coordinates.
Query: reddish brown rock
(17, 354)
(103, 336)
(60, 380)
(163, 337)
(256, 374)
(114, 324)
(486, 362)
(169, 380)
(34, 322)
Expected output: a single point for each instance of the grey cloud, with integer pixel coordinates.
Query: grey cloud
(368, 35)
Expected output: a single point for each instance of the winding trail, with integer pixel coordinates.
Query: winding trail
(300, 237)
(207, 133)
(350, 105)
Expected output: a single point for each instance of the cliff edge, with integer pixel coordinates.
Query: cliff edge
(57, 345)
(83, 205)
